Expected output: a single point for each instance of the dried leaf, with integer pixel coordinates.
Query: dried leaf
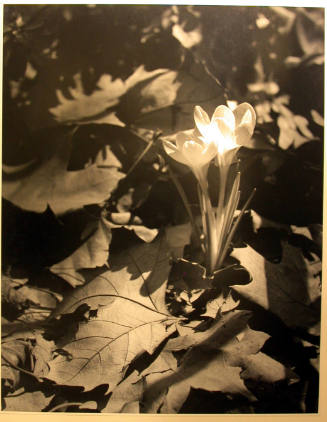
(317, 118)
(26, 401)
(125, 219)
(188, 39)
(149, 96)
(13, 355)
(93, 253)
(155, 379)
(89, 108)
(281, 288)
(218, 369)
(30, 303)
(131, 318)
(126, 396)
(42, 353)
(51, 184)
(206, 370)
(220, 332)
(223, 303)
(262, 368)
(178, 237)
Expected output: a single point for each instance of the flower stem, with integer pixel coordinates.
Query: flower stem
(183, 196)
(232, 232)
(221, 212)
(208, 216)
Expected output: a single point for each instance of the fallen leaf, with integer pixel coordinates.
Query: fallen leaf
(93, 253)
(220, 332)
(148, 96)
(282, 288)
(51, 184)
(223, 303)
(126, 396)
(206, 370)
(27, 303)
(317, 118)
(168, 102)
(13, 356)
(262, 368)
(26, 401)
(130, 318)
(42, 353)
(89, 108)
(178, 237)
(132, 407)
(188, 39)
(164, 362)
(125, 219)
(164, 366)
(216, 369)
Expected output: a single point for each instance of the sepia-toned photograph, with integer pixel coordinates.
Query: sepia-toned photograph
(162, 207)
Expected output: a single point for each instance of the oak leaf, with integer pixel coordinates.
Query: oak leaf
(289, 289)
(129, 318)
(90, 108)
(94, 252)
(51, 184)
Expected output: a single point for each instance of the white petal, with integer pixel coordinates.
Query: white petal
(224, 113)
(169, 147)
(221, 128)
(173, 152)
(245, 116)
(182, 137)
(201, 119)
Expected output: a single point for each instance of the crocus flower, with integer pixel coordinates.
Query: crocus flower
(228, 129)
(191, 150)
(219, 138)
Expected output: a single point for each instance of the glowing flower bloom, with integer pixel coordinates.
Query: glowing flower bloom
(191, 150)
(227, 129)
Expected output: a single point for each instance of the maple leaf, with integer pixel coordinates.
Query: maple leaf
(84, 108)
(51, 184)
(94, 252)
(131, 318)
